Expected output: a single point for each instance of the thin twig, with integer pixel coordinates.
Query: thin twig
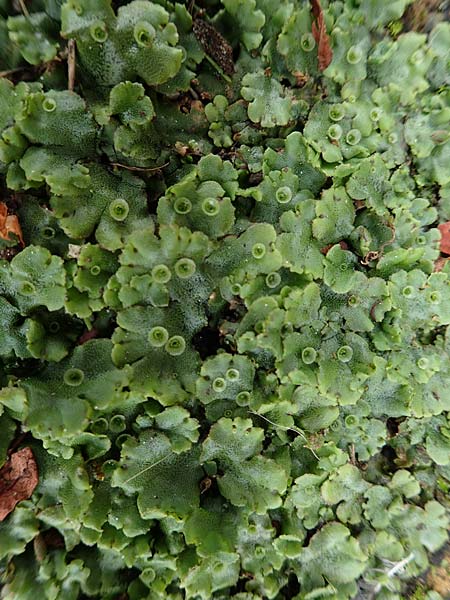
(9, 72)
(36, 68)
(375, 254)
(71, 64)
(294, 429)
(130, 168)
(24, 8)
(352, 454)
(194, 93)
(147, 469)
(191, 7)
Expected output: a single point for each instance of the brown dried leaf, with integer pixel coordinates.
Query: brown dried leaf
(88, 335)
(300, 79)
(342, 244)
(444, 228)
(319, 31)
(18, 478)
(39, 547)
(53, 538)
(440, 263)
(316, 8)
(9, 224)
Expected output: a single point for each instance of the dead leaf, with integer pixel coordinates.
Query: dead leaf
(39, 547)
(319, 31)
(18, 478)
(439, 581)
(205, 484)
(444, 228)
(316, 8)
(301, 79)
(87, 335)
(53, 538)
(9, 224)
(71, 64)
(325, 249)
(440, 263)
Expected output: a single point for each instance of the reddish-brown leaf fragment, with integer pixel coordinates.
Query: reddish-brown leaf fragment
(444, 228)
(9, 224)
(316, 8)
(214, 44)
(300, 79)
(53, 539)
(440, 263)
(87, 335)
(342, 244)
(18, 478)
(319, 31)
